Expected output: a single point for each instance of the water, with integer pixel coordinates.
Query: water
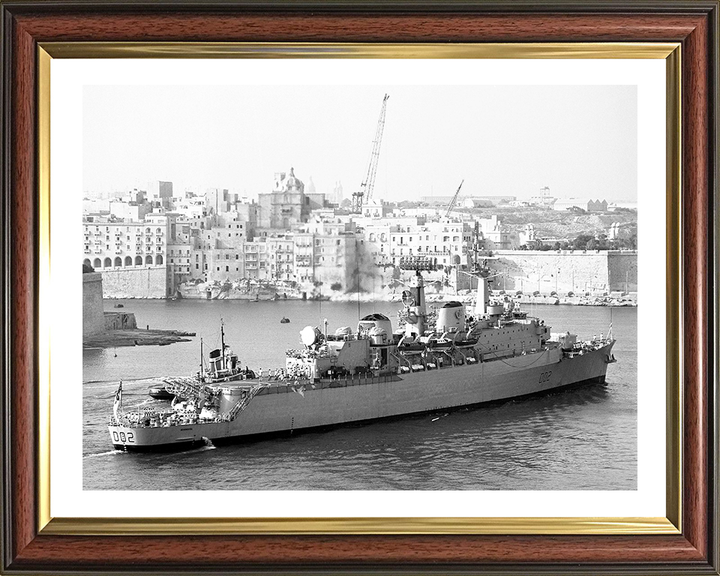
(583, 439)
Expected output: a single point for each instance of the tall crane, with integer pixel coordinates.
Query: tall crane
(454, 200)
(366, 188)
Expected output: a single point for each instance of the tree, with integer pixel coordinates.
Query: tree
(580, 243)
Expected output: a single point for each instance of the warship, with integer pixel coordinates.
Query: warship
(438, 359)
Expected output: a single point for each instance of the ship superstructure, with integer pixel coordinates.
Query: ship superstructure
(439, 359)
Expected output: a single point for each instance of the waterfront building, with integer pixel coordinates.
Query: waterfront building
(181, 245)
(325, 254)
(113, 243)
(495, 235)
(256, 260)
(133, 254)
(281, 257)
(446, 241)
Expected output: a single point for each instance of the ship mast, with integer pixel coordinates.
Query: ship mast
(414, 297)
(202, 367)
(222, 344)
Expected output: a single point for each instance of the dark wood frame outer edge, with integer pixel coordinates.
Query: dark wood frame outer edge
(25, 23)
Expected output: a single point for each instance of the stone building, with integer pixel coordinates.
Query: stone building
(286, 206)
(125, 250)
(281, 257)
(325, 253)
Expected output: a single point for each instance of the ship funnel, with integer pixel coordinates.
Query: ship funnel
(450, 318)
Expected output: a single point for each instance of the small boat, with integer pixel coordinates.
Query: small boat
(119, 306)
(284, 320)
(160, 393)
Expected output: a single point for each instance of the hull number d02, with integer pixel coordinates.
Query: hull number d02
(128, 438)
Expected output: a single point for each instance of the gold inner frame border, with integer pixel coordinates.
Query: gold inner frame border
(671, 524)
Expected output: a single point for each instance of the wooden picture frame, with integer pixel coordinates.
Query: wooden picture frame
(31, 543)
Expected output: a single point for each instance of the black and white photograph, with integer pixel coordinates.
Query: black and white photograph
(377, 287)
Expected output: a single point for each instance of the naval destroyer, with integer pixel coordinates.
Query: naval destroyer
(435, 360)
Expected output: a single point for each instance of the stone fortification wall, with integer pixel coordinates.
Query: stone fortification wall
(565, 271)
(120, 321)
(149, 282)
(93, 316)
(623, 271)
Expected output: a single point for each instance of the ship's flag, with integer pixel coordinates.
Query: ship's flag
(117, 405)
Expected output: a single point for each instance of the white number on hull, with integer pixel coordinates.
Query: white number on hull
(128, 438)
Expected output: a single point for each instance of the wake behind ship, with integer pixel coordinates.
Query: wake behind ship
(435, 360)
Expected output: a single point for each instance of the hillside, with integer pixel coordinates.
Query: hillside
(556, 224)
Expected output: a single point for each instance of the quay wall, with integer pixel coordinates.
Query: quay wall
(148, 282)
(622, 268)
(93, 315)
(565, 271)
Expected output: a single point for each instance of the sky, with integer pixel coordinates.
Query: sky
(580, 141)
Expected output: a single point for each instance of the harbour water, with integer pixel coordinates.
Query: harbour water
(579, 439)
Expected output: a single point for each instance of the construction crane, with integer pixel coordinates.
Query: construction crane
(366, 188)
(454, 200)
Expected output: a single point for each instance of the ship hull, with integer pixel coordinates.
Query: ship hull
(281, 410)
